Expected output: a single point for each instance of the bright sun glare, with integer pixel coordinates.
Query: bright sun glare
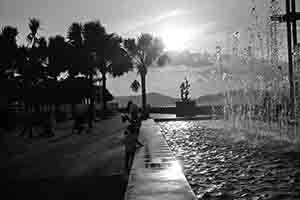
(175, 39)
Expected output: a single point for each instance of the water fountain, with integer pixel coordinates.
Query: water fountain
(256, 124)
(264, 104)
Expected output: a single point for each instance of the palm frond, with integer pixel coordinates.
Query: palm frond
(75, 34)
(34, 25)
(93, 34)
(9, 33)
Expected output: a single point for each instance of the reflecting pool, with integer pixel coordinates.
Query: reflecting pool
(222, 163)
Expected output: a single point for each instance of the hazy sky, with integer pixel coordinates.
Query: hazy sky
(205, 20)
(204, 23)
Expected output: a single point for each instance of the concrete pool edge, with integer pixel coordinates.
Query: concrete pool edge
(188, 118)
(155, 173)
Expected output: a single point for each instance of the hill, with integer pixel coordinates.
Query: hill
(154, 99)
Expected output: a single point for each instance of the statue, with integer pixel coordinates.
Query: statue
(184, 90)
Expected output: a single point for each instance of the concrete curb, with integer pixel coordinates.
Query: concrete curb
(156, 173)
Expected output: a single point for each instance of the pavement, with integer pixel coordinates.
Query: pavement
(87, 165)
(156, 173)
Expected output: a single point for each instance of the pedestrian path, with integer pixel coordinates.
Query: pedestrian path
(156, 173)
(68, 154)
(81, 166)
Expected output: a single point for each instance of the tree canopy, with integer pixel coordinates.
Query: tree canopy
(60, 69)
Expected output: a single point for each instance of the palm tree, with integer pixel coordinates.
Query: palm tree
(8, 64)
(144, 52)
(32, 59)
(93, 50)
(34, 26)
(76, 53)
(113, 59)
(93, 33)
(83, 42)
(109, 56)
(75, 35)
(57, 59)
(10, 33)
(9, 50)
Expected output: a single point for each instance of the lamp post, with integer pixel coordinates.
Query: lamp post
(290, 18)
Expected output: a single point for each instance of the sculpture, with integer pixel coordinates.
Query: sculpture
(184, 90)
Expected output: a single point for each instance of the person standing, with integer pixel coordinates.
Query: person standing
(133, 110)
(131, 142)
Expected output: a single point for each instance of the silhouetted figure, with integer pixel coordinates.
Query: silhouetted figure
(131, 142)
(131, 133)
(132, 110)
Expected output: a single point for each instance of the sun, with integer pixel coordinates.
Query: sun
(176, 39)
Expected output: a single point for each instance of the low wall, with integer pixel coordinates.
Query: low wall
(199, 110)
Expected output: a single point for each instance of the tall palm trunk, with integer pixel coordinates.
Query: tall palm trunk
(103, 91)
(91, 106)
(144, 100)
(73, 106)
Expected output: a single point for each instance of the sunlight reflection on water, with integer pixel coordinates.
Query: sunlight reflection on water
(178, 125)
(173, 171)
(232, 164)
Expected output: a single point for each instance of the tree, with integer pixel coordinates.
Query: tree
(112, 59)
(76, 53)
(32, 61)
(57, 59)
(9, 51)
(8, 64)
(95, 51)
(33, 57)
(76, 50)
(34, 26)
(144, 52)
(108, 56)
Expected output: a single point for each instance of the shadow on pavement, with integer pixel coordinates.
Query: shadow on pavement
(103, 187)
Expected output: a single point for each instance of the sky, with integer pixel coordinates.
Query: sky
(206, 20)
(195, 25)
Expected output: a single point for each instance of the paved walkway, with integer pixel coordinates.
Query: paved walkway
(156, 174)
(84, 166)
